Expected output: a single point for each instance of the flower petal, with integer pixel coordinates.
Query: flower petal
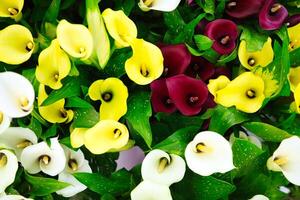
(130, 158)
(11, 8)
(150, 190)
(8, 169)
(4, 122)
(160, 5)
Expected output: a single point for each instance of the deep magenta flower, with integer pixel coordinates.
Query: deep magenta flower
(243, 8)
(272, 15)
(293, 20)
(201, 68)
(224, 34)
(176, 59)
(188, 94)
(161, 101)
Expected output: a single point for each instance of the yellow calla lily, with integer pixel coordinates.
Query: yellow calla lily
(217, 84)
(294, 77)
(261, 58)
(16, 44)
(11, 8)
(54, 65)
(271, 84)
(146, 63)
(106, 135)
(246, 92)
(75, 39)
(113, 95)
(295, 106)
(54, 113)
(77, 137)
(120, 27)
(294, 37)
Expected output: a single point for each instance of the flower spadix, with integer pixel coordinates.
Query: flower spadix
(150, 190)
(261, 58)
(17, 95)
(209, 153)
(17, 138)
(294, 77)
(54, 113)
(11, 8)
(75, 39)
(16, 44)
(120, 27)
(106, 135)
(8, 168)
(294, 36)
(4, 122)
(217, 84)
(163, 168)
(75, 162)
(54, 65)
(146, 63)
(113, 95)
(286, 159)
(246, 92)
(160, 5)
(40, 157)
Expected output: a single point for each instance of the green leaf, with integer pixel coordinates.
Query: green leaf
(227, 58)
(119, 183)
(173, 20)
(177, 142)
(76, 102)
(85, 117)
(266, 131)
(69, 89)
(138, 113)
(53, 11)
(224, 118)
(254, 40)
(51, 132)
(294, 57)
(44, 186)
(203, 42)
(193, 51)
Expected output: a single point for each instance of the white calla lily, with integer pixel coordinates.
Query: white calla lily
(14, 197)
(163, 168)
(75, 162)
(17, 95)
(150, 190)
(259, 197)
(8, 169)
(209, 153)
(40, 157)
(17, 138)
(160, 5)
(4, 122)
(247, 136)
(286, 159)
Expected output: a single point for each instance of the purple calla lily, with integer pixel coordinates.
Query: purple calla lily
(243, 8)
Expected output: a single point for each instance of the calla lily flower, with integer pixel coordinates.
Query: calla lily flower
(243, 8)
(245, 92)
(224, 34)
(8, 168)
(106, 135)
(294, 78)
(295, 106)
(286, 159)
(40, 157)
(12, 9)
(75, 39)
(272, 15)
(14, 197)
(293, 20)
(188, 94)
(160, 98)
(128, 159)
(151, 190)
(209, 153)
(163, 168)
(113, 95)
(259, 197)
(160, 5)
(217, 84)
(75, 162)
(54, 113)
(294, 37)
(54, 65)
(262, 58)
(77, 137)
(17, 138)
(146, 63)
(200, 68)
(247, 136)
(176, 59)
(120, 27)
(4, 122)
(16, 44)
(17, 95)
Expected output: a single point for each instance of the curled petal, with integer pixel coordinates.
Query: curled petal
(14, 197)
(200, 67)
(11, 8)
(217, 84)
(294, 37)
(8, 169)
(259, 197)
(77, 137)
(243, 8)
(160, 5)
(297, 98)
(294, 78)
(145, 190)
(293, 20)
(4, 122)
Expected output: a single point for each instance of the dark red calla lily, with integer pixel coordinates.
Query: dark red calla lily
(224, 34)
(201, 68)
(188, 94)
(176, 59)
(272, 15)
(221, 71)
(243, 8)
(293, 20)
(161, 101)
